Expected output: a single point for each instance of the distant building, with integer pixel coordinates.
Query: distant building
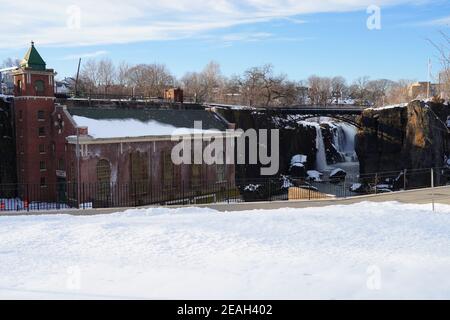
(62, 87)
(174, 95)
(423, 88)
(6, 81)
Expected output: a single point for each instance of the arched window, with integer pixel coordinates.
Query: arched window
(19, 87)
(39, 87)
(103, 169)
(139, 175)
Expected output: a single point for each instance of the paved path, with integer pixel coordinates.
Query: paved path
(421, 196)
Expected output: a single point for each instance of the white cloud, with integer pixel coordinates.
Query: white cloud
(440, 22)
(119, 21)
(86, 55)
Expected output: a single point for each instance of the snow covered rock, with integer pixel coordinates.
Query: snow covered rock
(299, 160)
(314, 175)
(297, 168)
(337, 175)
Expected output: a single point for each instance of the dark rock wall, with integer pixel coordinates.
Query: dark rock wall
(411, 137)
(294, 138)
(333, 155)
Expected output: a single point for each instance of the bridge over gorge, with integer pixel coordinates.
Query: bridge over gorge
(345, 113)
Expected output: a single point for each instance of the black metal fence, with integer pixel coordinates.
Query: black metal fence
(20, 197)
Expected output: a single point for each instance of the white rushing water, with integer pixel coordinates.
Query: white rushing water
(343, 140)
(321, 157)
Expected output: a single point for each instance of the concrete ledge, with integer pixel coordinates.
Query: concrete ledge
(419, 196)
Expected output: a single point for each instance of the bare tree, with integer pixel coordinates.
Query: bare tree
(193, 87)
(10, 62)
(338, 87)
(399, 92)
(122, 74)
(151, 79)
(443, 49)
(207, 85)
(106, 74)
(89, 78)
(377, 91)
(320, 90)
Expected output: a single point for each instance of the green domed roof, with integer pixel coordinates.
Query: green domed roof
(33, 59)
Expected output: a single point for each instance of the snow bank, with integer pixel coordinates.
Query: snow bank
(368, 250)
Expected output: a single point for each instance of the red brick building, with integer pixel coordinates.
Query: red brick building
(124, 154)
(174, 95)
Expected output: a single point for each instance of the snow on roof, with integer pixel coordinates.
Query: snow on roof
(116, 128)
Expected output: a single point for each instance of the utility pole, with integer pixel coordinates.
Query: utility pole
(78, 76)
(78, 166)
(432, 188)
(429, 78)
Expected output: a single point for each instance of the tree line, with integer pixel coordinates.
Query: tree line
(258, 86)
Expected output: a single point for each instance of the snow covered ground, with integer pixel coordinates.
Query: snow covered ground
(368, 250)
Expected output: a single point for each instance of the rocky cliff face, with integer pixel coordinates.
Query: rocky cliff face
(7, 149)
(323, 144)
(412, 136)
(295, 138)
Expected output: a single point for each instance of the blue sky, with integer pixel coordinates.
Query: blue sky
(299, 38)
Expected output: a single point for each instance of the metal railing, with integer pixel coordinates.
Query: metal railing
(61, 196)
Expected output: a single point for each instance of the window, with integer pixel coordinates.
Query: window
(19, 87)
(42, 148)
(168, 170)
(61, 165)
(139, 167)
(20, 115)
(41, 131)
(42, 166)
(139, 177)
(196, 170)
(39, 87)
(41, 115)
(221, 172)
(103, 180)
(43, 182)
(72, 172)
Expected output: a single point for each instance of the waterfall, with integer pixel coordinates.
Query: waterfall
(321, 158)
(344, 140)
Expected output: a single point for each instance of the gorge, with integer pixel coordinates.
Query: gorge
(393, 138)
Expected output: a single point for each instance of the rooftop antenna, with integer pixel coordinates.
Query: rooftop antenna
(78, 76)
(429, 78)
